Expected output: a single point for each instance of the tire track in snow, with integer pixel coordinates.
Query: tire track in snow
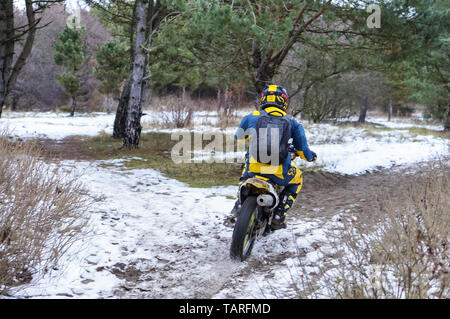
(153, 237)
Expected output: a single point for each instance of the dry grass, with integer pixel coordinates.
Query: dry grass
(159, 103)
(405, 253)
(41, 214)
(227, 107)
(399, 250)
(175, 112)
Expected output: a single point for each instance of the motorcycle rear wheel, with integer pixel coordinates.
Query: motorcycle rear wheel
(244, 233)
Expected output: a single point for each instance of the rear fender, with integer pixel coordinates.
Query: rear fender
(256, 186)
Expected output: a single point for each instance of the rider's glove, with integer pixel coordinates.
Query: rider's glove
(314, 156)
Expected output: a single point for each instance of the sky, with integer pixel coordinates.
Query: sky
(70, 3)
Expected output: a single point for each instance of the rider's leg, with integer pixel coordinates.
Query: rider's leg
(287, 198)
(237, 204)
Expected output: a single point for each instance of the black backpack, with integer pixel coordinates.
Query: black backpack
(266, 126)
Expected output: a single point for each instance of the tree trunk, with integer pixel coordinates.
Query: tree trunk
(6, 47)
(72, 105)
(121, 112)
(120, 120)
(447, 117)
(108, 103)
(2, 102)
(134, 111)
(8, 72)
(390, 110)
(364, 107)
(14, 101)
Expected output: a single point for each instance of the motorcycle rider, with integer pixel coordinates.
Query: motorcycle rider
(273, 103)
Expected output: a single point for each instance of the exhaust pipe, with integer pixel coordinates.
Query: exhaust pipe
(265, 200)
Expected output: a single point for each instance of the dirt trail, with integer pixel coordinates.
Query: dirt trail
(199, 269)
(69, 148)
(324, 196)
(333, 192)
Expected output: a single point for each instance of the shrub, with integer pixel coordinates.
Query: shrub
(227, 106)
(41, 214)
(402, 249)
(65, 108)
(178, 113)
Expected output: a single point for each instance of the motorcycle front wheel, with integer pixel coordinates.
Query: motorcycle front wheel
(244, 233)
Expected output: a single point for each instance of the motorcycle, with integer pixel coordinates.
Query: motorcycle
(258, 197)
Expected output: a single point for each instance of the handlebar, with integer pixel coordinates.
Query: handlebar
(293, 151)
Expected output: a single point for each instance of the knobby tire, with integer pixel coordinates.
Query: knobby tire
(245, 225)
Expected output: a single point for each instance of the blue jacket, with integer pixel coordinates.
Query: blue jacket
(297, 132)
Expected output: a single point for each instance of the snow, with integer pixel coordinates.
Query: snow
(171, 237)
(142, 216)
(59, 125)
(55, 125)
(345, 150)
(399, 123)
(368, 154)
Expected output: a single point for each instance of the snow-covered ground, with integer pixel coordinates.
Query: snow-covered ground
(146, 219)
(159, 238)
(346, 150)
(155, 237)
(354, 151)
(60, 125)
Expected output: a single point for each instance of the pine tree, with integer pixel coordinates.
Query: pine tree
(111, 69)
(69, 54)
(418, 33)
(139, 21)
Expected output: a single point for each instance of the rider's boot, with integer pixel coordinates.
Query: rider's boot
(236, 209)
(231, 219)
(287, 200)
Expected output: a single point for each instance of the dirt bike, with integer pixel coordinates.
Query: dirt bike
(258, 197)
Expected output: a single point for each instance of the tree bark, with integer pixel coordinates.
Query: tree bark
(390, 110)
(6, 47)
(121, 113)
(134, 111)
(72, 105)
(14, 101)
(108, 100)
(364, 107)
(8, 72)
(120, 120)
(447, 117)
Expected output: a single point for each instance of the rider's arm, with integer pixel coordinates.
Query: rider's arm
(300, 143)
(241, 134)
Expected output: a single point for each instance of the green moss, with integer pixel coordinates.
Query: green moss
(194, 174)
(415, 131)
(154, 153)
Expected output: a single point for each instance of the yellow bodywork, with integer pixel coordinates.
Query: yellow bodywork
(258, 184)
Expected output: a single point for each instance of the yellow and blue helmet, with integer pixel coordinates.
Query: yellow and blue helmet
(274, 95)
